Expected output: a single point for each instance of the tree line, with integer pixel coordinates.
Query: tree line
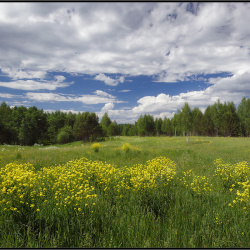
(218, 120)
(27, 126)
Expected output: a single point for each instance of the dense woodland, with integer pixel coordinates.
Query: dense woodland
(28, 126)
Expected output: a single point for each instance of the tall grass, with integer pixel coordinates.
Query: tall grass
(152, 192)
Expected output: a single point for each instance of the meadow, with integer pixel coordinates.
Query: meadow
(127, 192)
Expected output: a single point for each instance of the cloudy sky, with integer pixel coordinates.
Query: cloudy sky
(125, 59)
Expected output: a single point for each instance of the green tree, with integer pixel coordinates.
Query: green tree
(217, 112)
(5, 113)
(56, 121)
(207, 123)
(113, 129)
(176, 123)
(105, 122)
(230, 121)
(70, 119)
(167, 127)
(141, 127)
(17, 115)
(65, 135)
(87, 127)
(145, 125)
(6, 133)
(243, 112)
(33, 127)
(186, 119)
(197, 121)
(158, 126)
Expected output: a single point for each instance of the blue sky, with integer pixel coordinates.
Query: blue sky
(125, 59)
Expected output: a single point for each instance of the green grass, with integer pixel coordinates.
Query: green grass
(169, 216)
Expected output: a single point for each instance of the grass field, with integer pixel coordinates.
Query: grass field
(133, 192)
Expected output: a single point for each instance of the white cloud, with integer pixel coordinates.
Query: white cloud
(121, 115)
(107, 107)
(63, 110)
(108, 80)
(124, 90)
(102, 93)
(21, 74)
(85, 99)
(37, 85)
(162, 39)
(6, 95)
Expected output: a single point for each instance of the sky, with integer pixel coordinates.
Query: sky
(124, 58)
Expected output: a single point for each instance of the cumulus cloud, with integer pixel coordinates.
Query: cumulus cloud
(108, 106)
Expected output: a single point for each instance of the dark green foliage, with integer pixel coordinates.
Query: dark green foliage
(109, 128)
(105, 122)
(197, 122)
(86, 127)
(56, 121)
(208, 126)
(146, 125)
(65, 135)
(167, 127)
(230, 121)
(113, 129)
(158, 125)
(186, 119)
(33, 127)
(244, 116)
(217, 111)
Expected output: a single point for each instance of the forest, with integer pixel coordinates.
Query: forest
(29, 126)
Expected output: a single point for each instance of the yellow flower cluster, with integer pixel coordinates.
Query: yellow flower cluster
(69, 183)
(231, 174)
(126, 147)
(102, 174)
(198, 184)
(16, 185)
(63, 185)
(242, 197)
(72, 185)
(158, 170)
(96, 146)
